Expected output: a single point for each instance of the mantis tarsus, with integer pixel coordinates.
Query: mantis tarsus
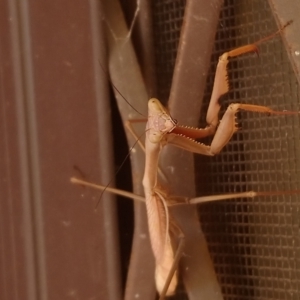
(161, 130)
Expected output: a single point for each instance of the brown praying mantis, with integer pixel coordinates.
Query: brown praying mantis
(162, 129)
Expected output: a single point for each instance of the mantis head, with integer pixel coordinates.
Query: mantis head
(159, 121)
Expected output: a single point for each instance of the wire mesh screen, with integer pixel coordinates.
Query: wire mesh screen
(254, 244)
(167, 19)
